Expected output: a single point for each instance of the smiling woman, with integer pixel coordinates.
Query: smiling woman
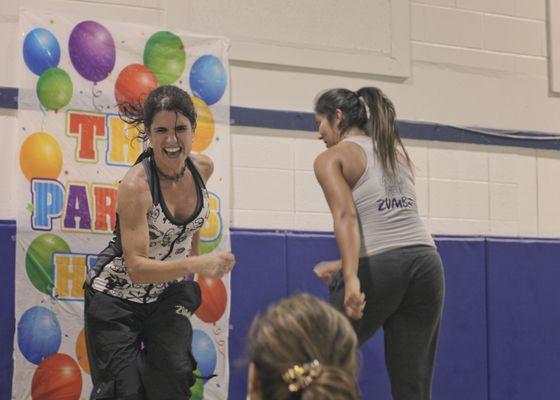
(171, 139)
(137, 285)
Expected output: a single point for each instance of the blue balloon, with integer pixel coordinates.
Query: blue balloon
(204, 352)
(39, 334)
(41, 50)
(208, 79)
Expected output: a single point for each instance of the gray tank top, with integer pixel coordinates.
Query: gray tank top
(386, 206)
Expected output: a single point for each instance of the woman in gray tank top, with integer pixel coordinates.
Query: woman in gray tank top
(390, 274)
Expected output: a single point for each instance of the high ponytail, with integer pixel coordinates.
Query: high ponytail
(383, 128)
(370, 110)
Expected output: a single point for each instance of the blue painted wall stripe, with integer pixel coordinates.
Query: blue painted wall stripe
(304, 121)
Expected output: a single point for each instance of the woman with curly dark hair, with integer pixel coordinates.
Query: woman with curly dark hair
(137, 302)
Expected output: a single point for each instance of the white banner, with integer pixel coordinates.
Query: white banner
(73, 150)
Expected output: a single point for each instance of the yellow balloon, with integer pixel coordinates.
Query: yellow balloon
(212, 228)
(40, 156)
(205, 127)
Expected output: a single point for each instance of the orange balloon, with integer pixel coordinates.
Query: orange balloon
(205, 127)
(134, 84)
(40, 156)
(81, 351)
(214, 299)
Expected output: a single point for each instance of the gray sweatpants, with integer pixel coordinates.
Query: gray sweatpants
(404, 291)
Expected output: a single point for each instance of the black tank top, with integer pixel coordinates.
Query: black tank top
(169, 239)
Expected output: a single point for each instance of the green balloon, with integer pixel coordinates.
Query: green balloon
(197, 391)
(54, 89)
(38, 260)
(165, 56)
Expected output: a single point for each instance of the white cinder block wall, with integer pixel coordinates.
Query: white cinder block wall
(479, 63)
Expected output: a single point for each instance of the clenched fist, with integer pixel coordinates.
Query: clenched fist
(216, 265)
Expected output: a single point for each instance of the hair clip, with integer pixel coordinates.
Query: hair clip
(299, 377)
(363, 101)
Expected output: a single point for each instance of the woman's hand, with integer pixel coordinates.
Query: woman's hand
(354, 300)
(215, 265)
(326, 269)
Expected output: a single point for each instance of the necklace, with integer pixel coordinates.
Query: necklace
(174, 178)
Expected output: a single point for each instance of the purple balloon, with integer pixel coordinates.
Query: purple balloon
(92, 50)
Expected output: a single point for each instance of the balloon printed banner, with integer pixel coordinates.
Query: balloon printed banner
(78, 78)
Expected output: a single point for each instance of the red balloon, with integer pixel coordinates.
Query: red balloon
(58, 377)
(134, 84)
(214, 299)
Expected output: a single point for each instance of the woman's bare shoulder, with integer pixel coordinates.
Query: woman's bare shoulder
(134, 189)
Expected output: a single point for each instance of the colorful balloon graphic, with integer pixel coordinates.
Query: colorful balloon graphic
(165, 55)
(208, 79)
(205, 127)
(211, 232)
(54, 89)
(214, 299)
(197, 390)
(92, 50)
(38, 260)
(40, 50)
(81, 351)
(133, 85)
(58, 377)
(40, 156)
(204, 352)
(38, 334)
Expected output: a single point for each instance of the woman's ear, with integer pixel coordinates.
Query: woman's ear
(148, 137)
(337, 120)
(338, 115)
